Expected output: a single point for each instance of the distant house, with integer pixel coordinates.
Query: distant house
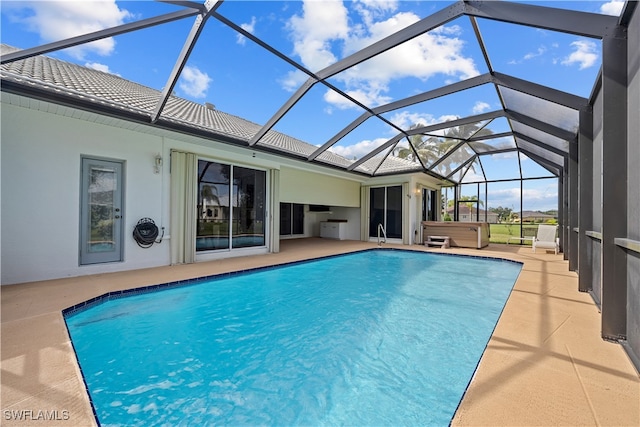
(471, 214)
(536, 216)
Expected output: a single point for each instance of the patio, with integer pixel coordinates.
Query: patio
(545, 364)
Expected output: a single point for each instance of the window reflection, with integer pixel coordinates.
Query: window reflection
(230, 217)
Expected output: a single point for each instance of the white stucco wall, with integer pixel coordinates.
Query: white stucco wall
(42, 146)
(41, 155)
(308, 187)
(316, 188)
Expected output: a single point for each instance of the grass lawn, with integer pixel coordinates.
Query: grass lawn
(500, 233)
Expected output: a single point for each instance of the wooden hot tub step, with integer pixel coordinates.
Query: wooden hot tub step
(442, 241)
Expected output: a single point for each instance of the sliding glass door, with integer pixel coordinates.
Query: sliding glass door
(385, 208)
(230, 216)
(249, 188)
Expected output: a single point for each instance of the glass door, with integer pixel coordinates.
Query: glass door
(429, 205)
(385, 207)
(231, 208)
(249, 195)
(101, 211)
(214, 195)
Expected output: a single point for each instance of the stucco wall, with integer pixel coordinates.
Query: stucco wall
(306, 187)
(41, 154)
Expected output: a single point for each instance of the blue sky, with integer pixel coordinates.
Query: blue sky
(242, 78)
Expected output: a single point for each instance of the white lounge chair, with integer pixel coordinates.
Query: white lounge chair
(546, 238)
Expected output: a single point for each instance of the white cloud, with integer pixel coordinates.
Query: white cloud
(357, 150)
(322, 36)
(505, 197)
(366, 96)
(529, 56)
(585, 54)
(503, 143)
(320, 23)
(541, 50)
(437, 52)
(59, 20)
(507, 155)
(248, 27)
(542, 198)
(613, 7)
(100, 67)
(293, 80)
(370, 10)
(405, 119)
(382, 5)
(480, 107)
(473, 176)
(194, 82)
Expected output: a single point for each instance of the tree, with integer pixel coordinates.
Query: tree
(430, 148)
(504, 214)
(425, 147)
(209, 197)
(210, 193)
(469, 199)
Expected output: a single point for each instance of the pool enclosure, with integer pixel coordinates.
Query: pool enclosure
(323, 104)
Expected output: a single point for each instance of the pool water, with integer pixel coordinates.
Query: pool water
(207, 243)
(381, 337)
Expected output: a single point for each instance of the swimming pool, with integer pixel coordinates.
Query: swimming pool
(380, 337)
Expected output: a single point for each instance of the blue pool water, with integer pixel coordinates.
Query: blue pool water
(382, 337)
(219, 242)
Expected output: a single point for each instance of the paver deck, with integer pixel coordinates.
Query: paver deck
(544, 365)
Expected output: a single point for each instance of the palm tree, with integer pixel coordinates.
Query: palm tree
(209, 193)
(425, 147)
(431, 149)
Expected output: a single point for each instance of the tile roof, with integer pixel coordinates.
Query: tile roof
(55, 76)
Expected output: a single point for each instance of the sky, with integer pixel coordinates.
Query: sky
(241, 78)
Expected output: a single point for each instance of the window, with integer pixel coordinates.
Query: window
(291, 219)
(230, 216)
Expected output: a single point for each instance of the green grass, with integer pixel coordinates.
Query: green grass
(500, 233)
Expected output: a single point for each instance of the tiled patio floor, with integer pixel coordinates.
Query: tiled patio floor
(545, 363)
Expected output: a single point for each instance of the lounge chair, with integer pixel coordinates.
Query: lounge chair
(546, 238)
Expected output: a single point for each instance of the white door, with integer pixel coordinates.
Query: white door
(101, 211)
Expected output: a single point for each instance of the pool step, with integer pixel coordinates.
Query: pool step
(442, 241)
